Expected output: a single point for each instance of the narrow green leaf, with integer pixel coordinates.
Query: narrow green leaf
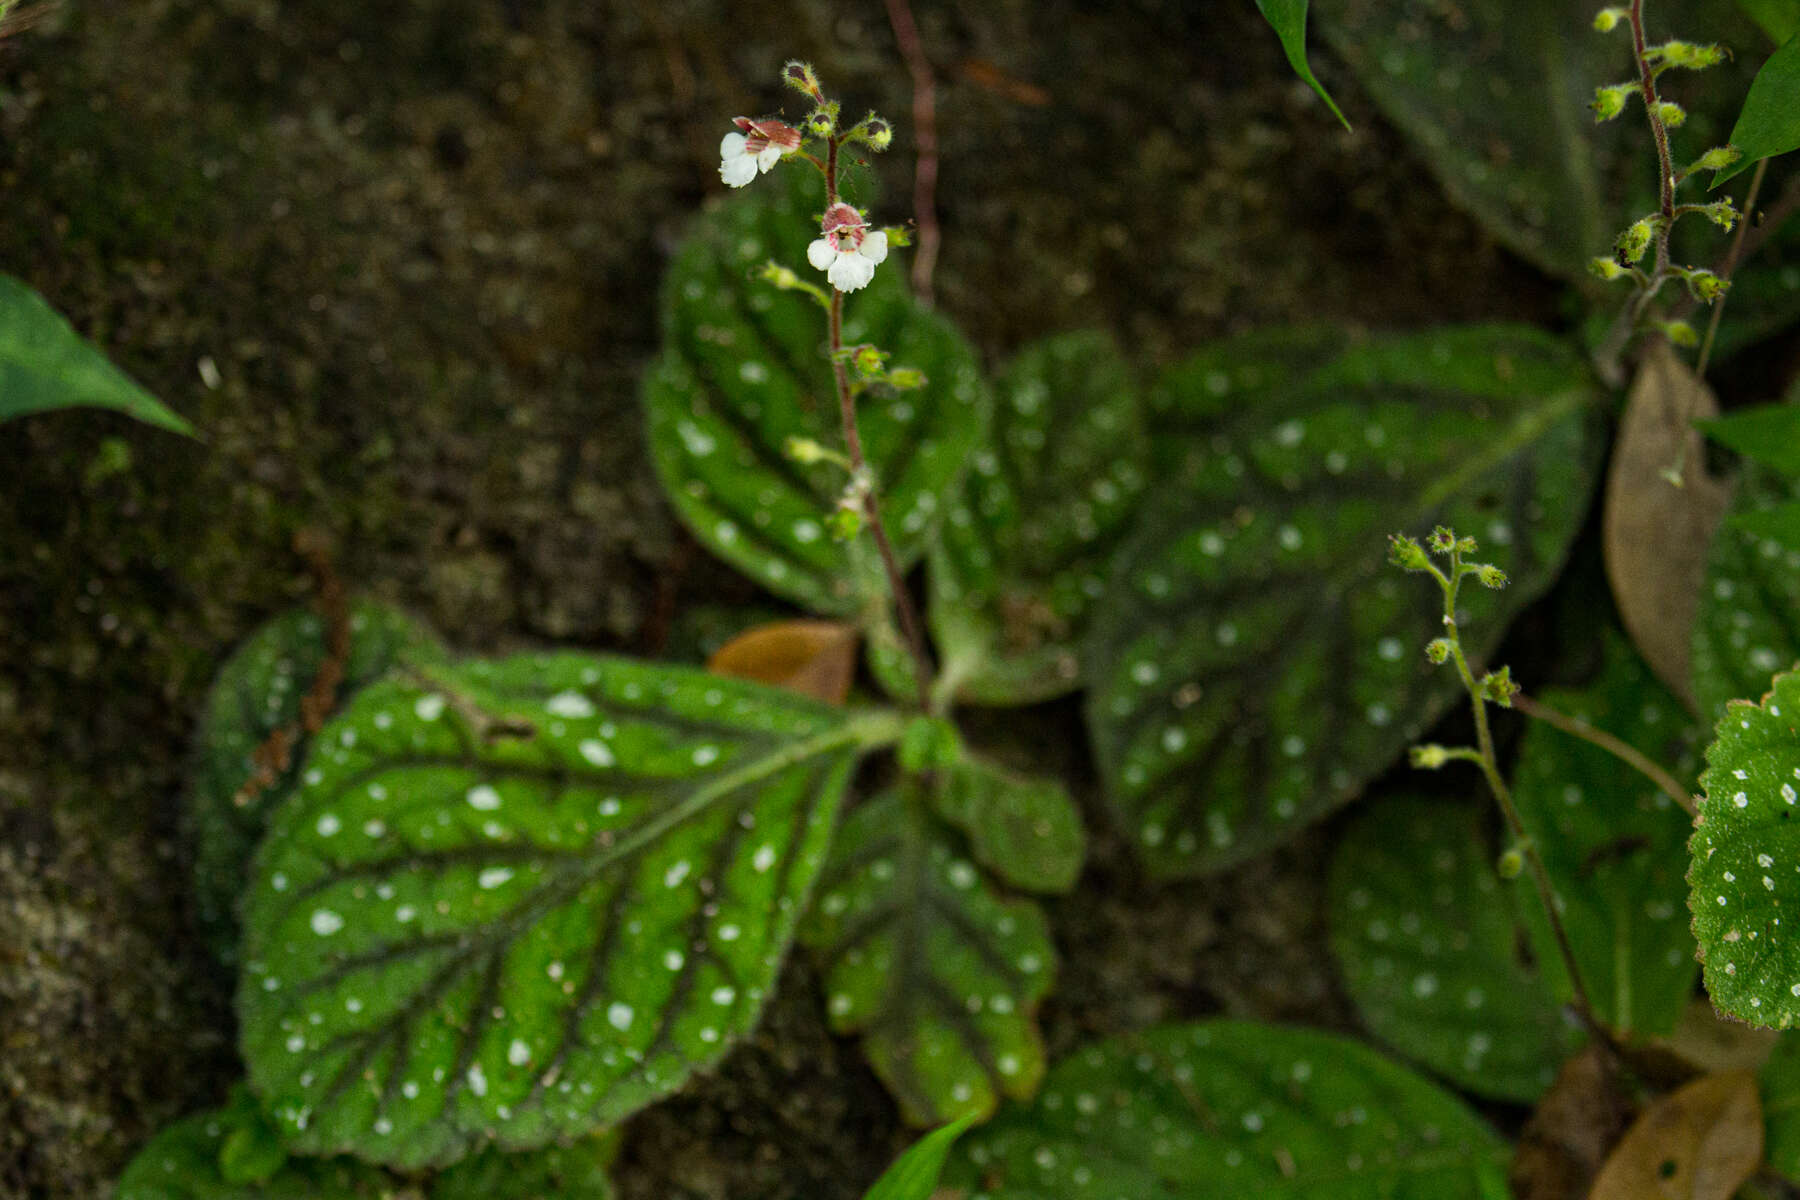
(46, 365)
(575, 1172)
(1780, 19)
(1288, 18)
(1745, 874)
(1770, 122)
(1429, 943)
(188, 1161)
(1024, 828)
(1257, 662)
(939, 972)
(1614, 845)
(512, 902)
(915, 1174)
(1780, 1080)
(1768, 434)
(744, 369)
(1234, 1108)
(1748, 625)
(1021, 560)
(259, 690)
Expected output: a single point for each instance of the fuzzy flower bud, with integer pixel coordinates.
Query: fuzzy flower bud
(1511, 863)
(1687, 55)
(1442, 540)
(1609, 101)
(1720, 213)
(822, 121)
(1429, 757)
(804, 451)
(799, 76)
(1716, 159)
(906, 379)
(1607, 19)
(1670, 113)
(1491, 576)
(1606, 268)
(1635, 241)
(1705, 286)
(1498, 686)
(1679, 333)
(1406, 553)
(1438, 650)
(1465, 545)
(874, 133)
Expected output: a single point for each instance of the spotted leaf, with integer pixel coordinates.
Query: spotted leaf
(194, 1159)
(922, 956)
(1021, 560)
(1614, 845)
(1432, 950)
(744, 369)
(1233, 1108)
(1024, 828)
(1748, 625)
(1745, 873)
(511, 902)
(1257, 661)
(259, 691)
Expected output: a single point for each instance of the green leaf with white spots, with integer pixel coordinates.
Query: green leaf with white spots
(1745, 874)
(1234, 1108)
(574, 1172)
(259, 690)
(1257, 661)
(1021, 560)
(45, 365)
(1780, 1083)
(190, 1160)
(512, 902)
(1432, 951)
(1024, 828)
(1614, 845)
(744, 369)
(939, 972)
(1748, 625)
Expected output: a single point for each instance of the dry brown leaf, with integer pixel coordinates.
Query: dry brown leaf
(1564, 1144)
(1699, 1143)
(814, 658)
(1657, 534)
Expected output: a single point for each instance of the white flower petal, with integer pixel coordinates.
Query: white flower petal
(850, 272)
(732, 144)
(769, 157)
(738, 171)
(874, 247)
(820, 254)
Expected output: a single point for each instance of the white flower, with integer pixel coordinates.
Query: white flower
(755, 147)
(849, 250)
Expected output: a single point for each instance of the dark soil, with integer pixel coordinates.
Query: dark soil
(397, 259)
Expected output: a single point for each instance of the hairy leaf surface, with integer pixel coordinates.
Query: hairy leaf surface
(939, 972)
(1257, 661)
(512, 902)
(1234, 1108)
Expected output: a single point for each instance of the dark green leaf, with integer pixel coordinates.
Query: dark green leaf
(1746, 859)
(575, 1172)
(1780, 19)
(46, 365)
(1233, 1108)
(1429, 944)
(915, 1174)
(1020, 562)
(1780, 524)
(1025, 829)
(1748, 626)
(1257, 661)
(258, 691)
(744, 369)
(938, 972)
(1769, 434)
(1770, 122)
(187, 1161)
(513, 902)
(1288, 18)
(1614, 845)
(1780, 1080)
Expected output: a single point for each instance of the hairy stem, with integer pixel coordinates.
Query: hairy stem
(1730, 265)
(1619, 749)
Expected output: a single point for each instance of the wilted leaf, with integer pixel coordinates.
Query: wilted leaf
(1770, 122)
(516, 901)
(1564, 1145)
(939, 972)
(1748, 626)
(1024, 828)
(1614, 845)
(1746, 859)
(1657, 533)
(813, 658)
(744, 369)
(1288, 18)
(46, 365)
(1257, 661)
(1233, 1108)
(915, 1174)
(1432, 952)
(1699, 1143)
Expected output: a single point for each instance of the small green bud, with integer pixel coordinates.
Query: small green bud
(1607, 268)
(822, 121)
(907, 379)
(1635, 241)
(1687, 55)
(1511, 863)
(873, 132)
(1429, 757)
(1720, 213)
(1438, 650)
(1716, 159)
(1465, 545)
(804, 451)
(1609, 101)
(1498, 686)
(1491, 576)
(1442, 540)
(1406, 553)
(929, 744)
(1679, 333)
(799, 76)
(868, 361)
(782, 277)
(844, 523)
(1669, 113)
(1607, 19)
(1705, 286)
